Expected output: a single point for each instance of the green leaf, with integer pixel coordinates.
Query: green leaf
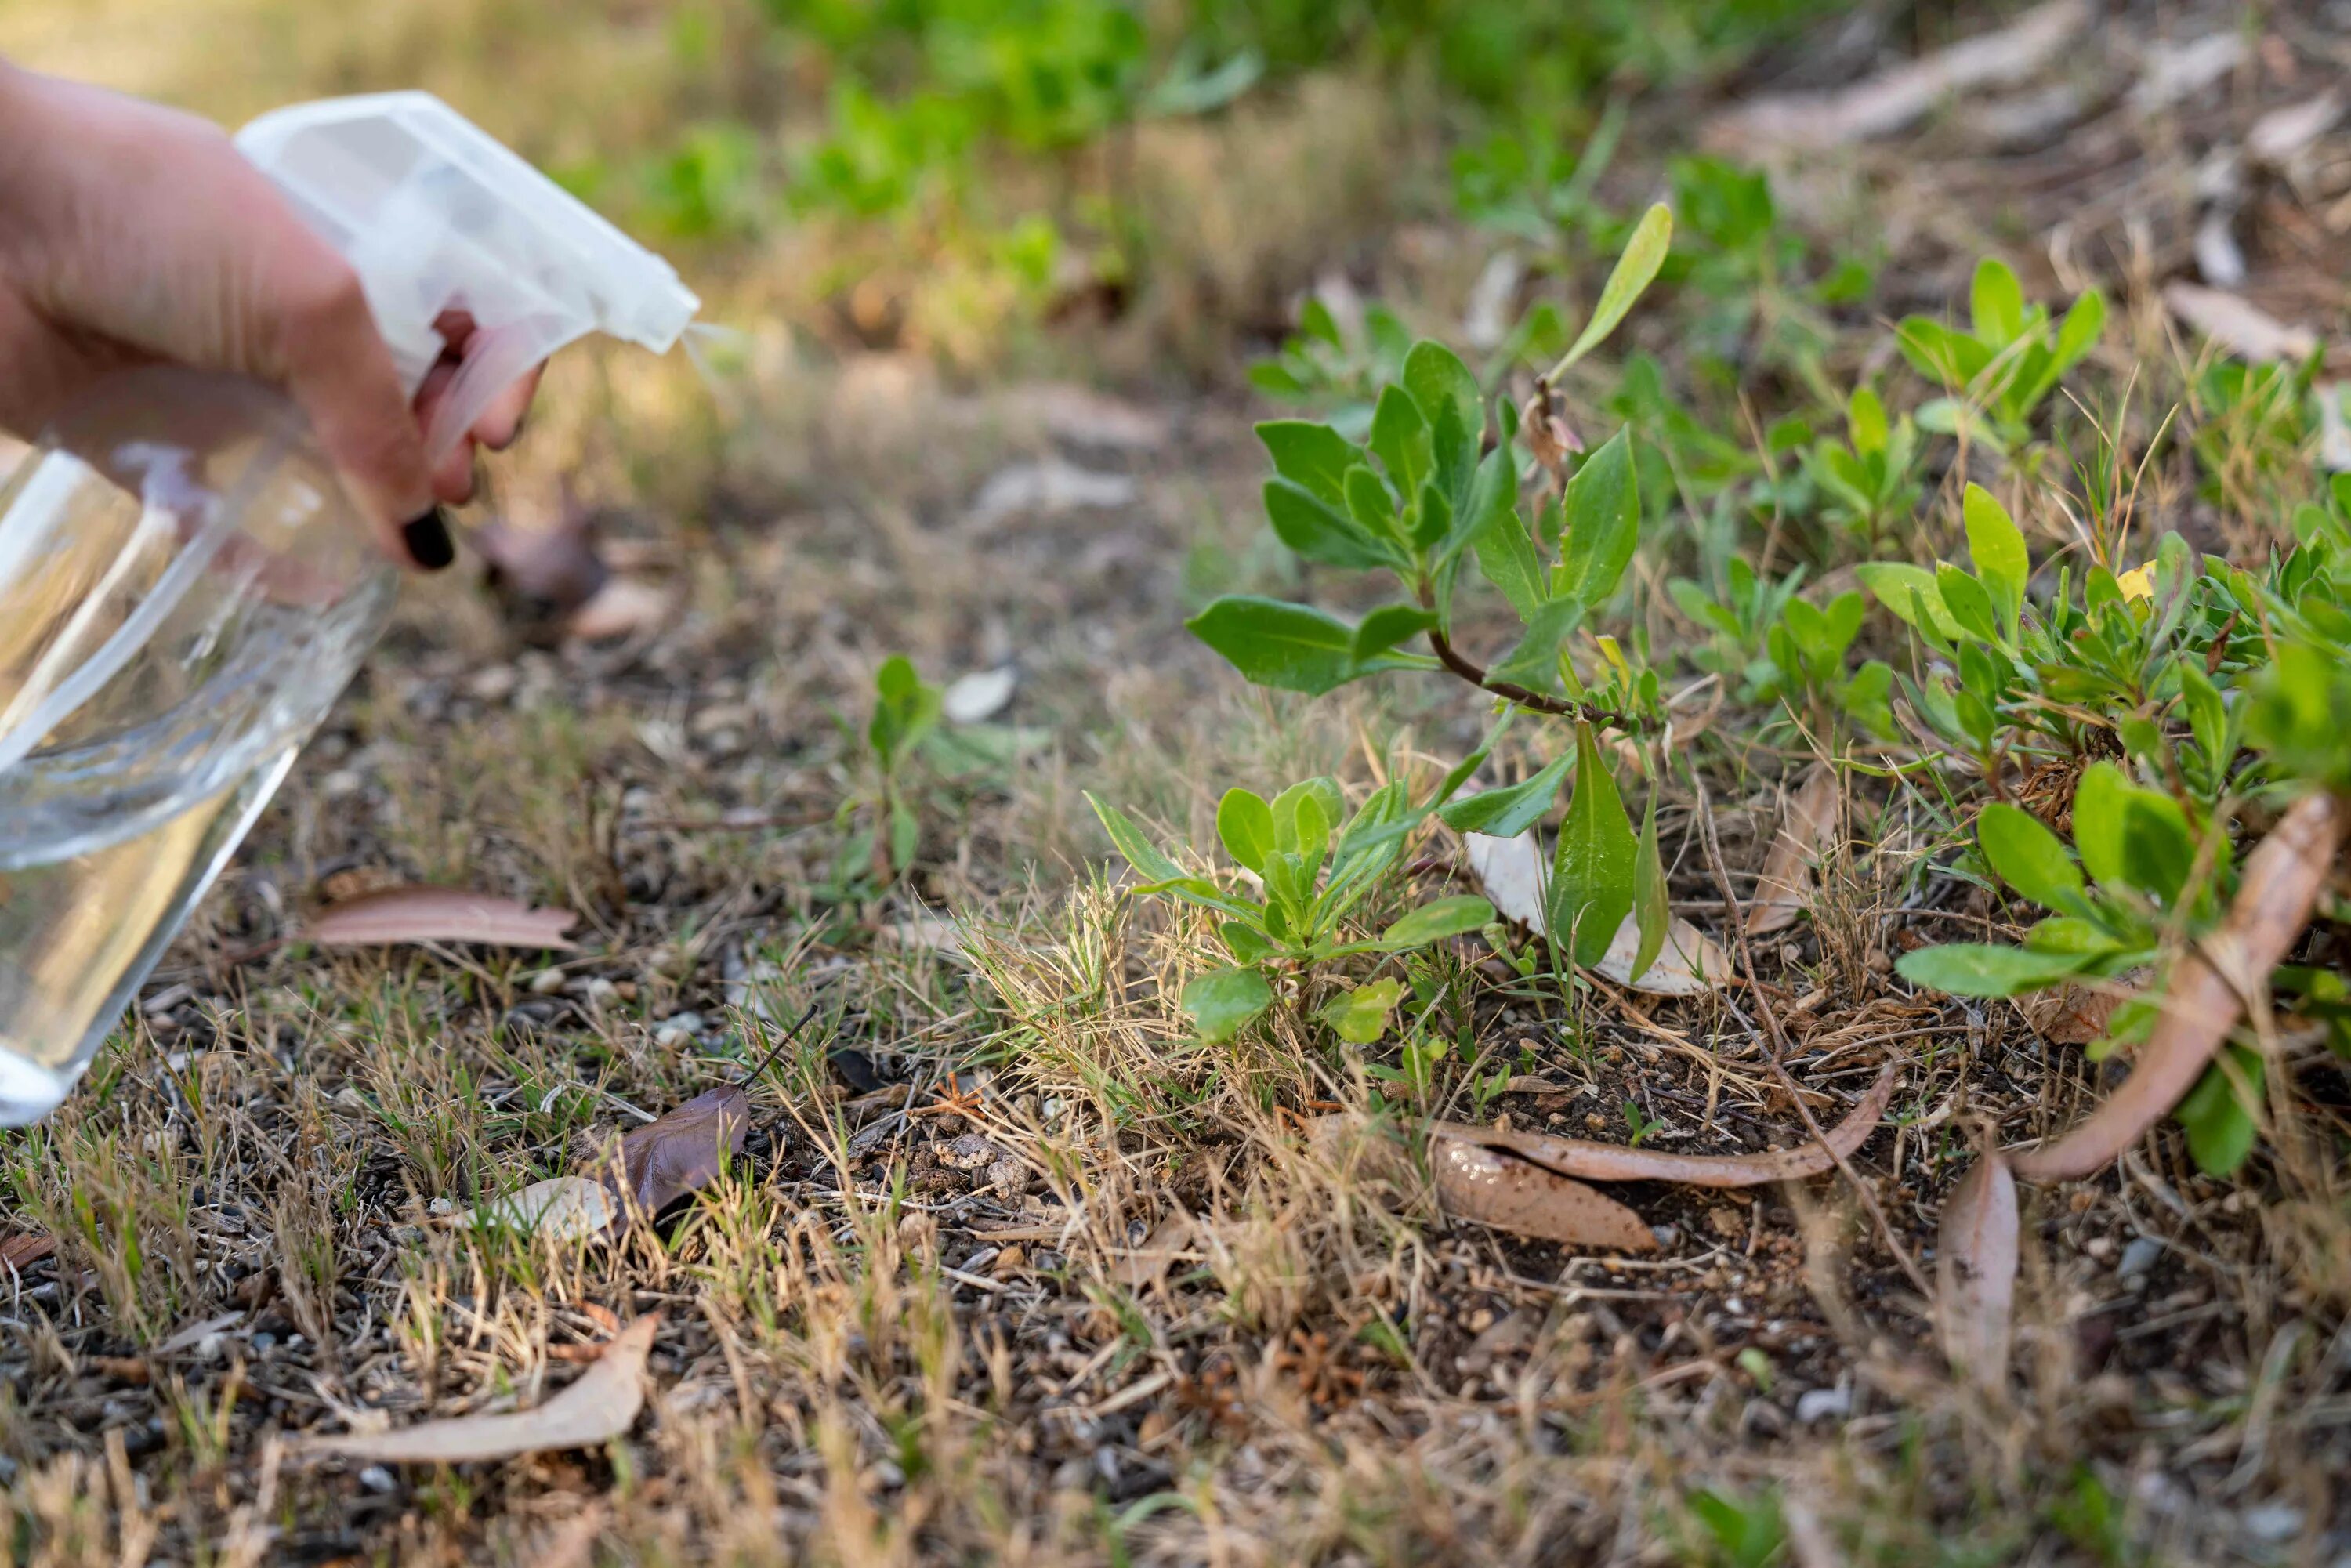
(1644, 252)
(1318, 531)
(1997, 547)
(1997, 303)
(2220, 1125)
(1245, 823)
(1533, 661)
(2159, 850)
(1436, 921)
(1369, 503)
(1400, 439)
(1968, 602)
(1223, 1002)
(1507, 556)
(1507, 812)
(1865, 420)
(2207, 716)
(1491, 505)
(1304, 814)
(1312, 457)
(904, 710)
(2083, 325)
(1246, 942)
(1360, 1017)
(1604, 522)
(1652, 909)
(2101, 805)
(1592, 874)
(1388, 626)
(1981, 970)
(1127, 839)
(2028, 857)
(1439, 381)
(1899, 586)
(1290, 646)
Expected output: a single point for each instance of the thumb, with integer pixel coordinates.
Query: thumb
(336, 367)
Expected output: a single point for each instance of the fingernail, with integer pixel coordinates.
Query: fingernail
(428, 540)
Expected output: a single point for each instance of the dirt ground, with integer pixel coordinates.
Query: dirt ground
(1012, 1267)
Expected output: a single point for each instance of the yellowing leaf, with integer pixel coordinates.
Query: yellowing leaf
(2139, 582)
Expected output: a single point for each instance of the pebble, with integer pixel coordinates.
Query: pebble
(341, 784)
(969, 1152)
(2139, 1256)
(602, 993)
(378, 1479)
(546, 982)
(440, 1208)
(2273, 1522)
(1009, 1175)
(264, 1342)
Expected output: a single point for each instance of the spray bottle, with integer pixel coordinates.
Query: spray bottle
(185, 586)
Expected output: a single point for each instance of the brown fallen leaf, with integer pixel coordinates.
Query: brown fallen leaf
(441, 915)
(1975, 1273)
(601, 1405)
(2237, 324)
(1892, 100)
(1513, 874)
(2074, 1013)
(1588, 1160)
(1784, 890)
(564, 1206)
(2283, 877)
(1143, 1269)
(664, 1160)
(1497, 1188)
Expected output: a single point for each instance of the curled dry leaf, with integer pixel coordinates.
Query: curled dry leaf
(1975, 1273)
(1784, 890)
(1688, 963)
(601, 1405)
(2277, 137)
(544, 572)
(2209, 984)
(566, 1207)
(1894, 99)
(1588, 1160)
(441, 915)
(1513, 874)
(664, 1160)
(1498, 1188)
(2237, 324)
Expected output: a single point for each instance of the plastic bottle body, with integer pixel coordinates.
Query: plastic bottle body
(184, 589)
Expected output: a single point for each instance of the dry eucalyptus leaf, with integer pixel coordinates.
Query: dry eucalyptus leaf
(566, 1207)
(1688, 963)
(2283, 877)
(600, 1406)
(1785, 888)
(1512, 873)
(664, 1160)
(441, 915)
(1975, 1273)
(2074, 1013)
(1474, 1182)
(1588, 1161)
(2237, 324)
(1894, 99)
(1145, 1268)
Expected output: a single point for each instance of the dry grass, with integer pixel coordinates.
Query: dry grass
(1108, 1295)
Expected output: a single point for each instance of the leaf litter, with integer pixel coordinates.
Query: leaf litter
(441, 915)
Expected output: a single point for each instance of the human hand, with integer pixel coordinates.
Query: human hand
(131, 233)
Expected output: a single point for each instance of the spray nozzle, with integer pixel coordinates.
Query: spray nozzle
(435, 216)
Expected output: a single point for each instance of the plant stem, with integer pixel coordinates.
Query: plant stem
(1562, 707)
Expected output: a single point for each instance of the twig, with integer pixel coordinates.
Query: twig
(792, 1033)
(1562, 707)
(1775, 1058)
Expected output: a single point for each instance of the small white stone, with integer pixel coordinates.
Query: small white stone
(546, 982)
(1822, 1404)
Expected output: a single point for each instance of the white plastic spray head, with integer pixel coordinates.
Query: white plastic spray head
(436, 216)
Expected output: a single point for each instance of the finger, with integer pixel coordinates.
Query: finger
(453, 473)
(341, 374)
(501, 423)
